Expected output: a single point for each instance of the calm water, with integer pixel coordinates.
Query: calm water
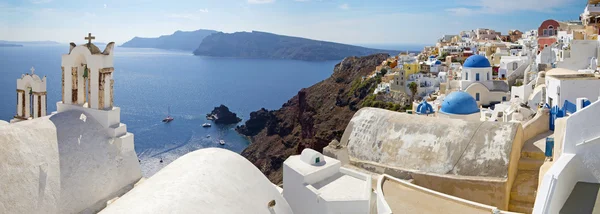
(147, 81)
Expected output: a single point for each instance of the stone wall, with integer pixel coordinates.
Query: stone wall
(538, 125)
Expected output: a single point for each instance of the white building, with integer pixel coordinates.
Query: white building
(477, 81)
(486, 34)
(314, 183)
(75, 160)
(507, 112)
(583, 55)
(383, 87)
(565, 37)
(547, 57)
(435, 65)
(566, 85)
(427, 84)
(510, 64)
(30, 88)
(572, 181)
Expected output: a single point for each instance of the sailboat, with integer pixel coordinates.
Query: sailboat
(168, 119)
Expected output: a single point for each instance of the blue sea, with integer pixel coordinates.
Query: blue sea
(148, 81)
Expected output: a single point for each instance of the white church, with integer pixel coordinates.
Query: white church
(81, 159)
(477, 80)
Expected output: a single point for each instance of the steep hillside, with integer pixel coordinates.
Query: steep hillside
(263, 45)
(311, 119)
(180, 40)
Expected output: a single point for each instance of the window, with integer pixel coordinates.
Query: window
(503, 99)
(467, 76)
(477, 97)
(317, 160)
(477, 77)
(488, 76)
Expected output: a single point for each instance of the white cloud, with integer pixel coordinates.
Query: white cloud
(508, 6)
(205, 10)
(105, 6)
(260, 1)
(344, 6)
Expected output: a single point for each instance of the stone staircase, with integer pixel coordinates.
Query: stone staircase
(524, 189)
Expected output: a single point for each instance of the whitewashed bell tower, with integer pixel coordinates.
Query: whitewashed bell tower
(87, 86)
(87, 83)
(31, 97)
(87, 76)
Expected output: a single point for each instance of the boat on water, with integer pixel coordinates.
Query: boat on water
(222, 142)
(206, 125)
(168, 119)
(207, 136)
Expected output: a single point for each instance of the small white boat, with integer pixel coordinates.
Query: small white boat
(208, 136)
(168, 119)
(222, 142)
(206, 125)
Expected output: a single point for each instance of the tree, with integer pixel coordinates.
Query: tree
(413, 90)
(443, 56)
(383, 72)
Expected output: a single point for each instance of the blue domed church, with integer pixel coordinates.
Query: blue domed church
(460, 105)
(477, 81)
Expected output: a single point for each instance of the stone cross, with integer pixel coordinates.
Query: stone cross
(32, 70)
(90, 38)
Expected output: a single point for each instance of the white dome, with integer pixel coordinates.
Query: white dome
(205, 181)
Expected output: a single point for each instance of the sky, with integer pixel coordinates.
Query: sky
(345, 21)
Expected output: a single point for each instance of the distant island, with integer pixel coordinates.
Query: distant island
(264, 45)
(10, 45)
(21, 43)
(180, 40)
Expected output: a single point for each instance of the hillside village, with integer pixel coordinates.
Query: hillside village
(479, 123)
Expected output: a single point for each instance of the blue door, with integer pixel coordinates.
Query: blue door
(555, 113)
(586, 103)
(477, 77)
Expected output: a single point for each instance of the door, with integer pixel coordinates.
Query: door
(555, 113)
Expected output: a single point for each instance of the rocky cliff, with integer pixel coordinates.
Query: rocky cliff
(222, 115)
(311, 119)
(262, 45)
(180, 40)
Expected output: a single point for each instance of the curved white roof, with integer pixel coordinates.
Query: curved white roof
(94, 166)
(29, 167)
(205, 181)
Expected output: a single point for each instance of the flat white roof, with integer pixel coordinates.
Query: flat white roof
(341, 188)
(305, 169)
